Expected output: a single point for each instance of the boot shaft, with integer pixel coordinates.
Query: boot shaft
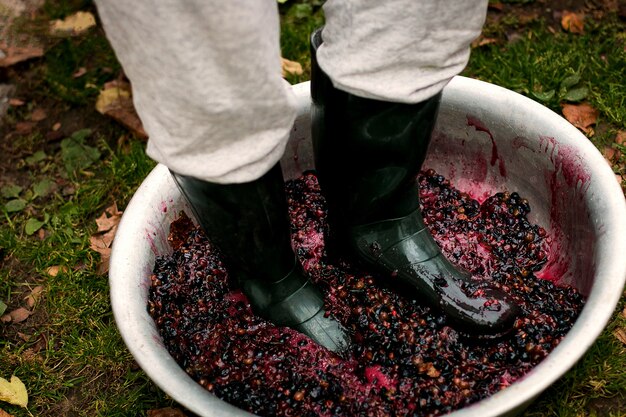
(367, 152)
(248, 222)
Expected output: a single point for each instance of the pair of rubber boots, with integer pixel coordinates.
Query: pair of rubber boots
(368, 154)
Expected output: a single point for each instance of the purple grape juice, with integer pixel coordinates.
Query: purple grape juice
(406, 359)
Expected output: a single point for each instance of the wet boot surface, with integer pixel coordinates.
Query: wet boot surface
(368, 154)
(249, 223)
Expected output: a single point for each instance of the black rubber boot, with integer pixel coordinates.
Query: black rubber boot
(368, 154)
(249, 223)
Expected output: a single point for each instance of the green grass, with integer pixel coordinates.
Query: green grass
(539, 62)
(298, 21)
(67, 56)
(85, 357)
(70, 355)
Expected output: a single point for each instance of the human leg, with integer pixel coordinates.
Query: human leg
(402, 51)
(369, 150)
(206, 83)
(249, 223)
(207, 86)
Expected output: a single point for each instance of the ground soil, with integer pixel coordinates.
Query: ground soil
(20, 136)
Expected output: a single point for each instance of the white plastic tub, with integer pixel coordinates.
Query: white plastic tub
(487, 139)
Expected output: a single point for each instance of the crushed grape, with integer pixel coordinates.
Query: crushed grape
(405, 360)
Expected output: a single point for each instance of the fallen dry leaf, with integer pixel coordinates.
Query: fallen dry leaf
(16, 316)
(620, 138)
(101, 243)
(102, 240)
(38, 115)
(112, 92)
(496, 6)
(5, 414)
(113, 210)
(34, 296)
(620, 334)
(12, 54)
(429, 369)
(56, 126)
(290, 67)
(80, 72)
(13, 392)
(166, 412)
(24, 128)
(573, 22)
(115, 100)
(16, 42)
(109, 218)
(583, 116)
(73, 25)
(528, 17)
(16, 102)
(611, 154)
(480, 41)
(55, 270)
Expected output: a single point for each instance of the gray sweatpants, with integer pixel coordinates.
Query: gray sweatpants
(207, 81)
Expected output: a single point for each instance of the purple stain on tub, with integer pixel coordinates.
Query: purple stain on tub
(521, 142)
(495, 156)
(568, 181)
(566, 159)
(150, 235)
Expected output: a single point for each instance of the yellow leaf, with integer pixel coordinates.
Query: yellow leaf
(109, 97)
(573, 22)
(74, 24)
(116, 101)
(290, 67)
(55, 270)
(13, 392)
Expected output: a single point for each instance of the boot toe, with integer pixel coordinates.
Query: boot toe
(296, 302)
(488, 316)
(327, 332)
